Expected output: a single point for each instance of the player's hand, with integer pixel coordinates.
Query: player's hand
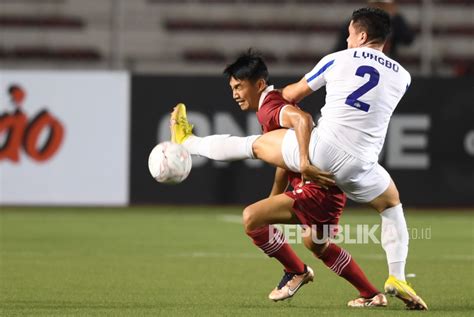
(322, 178)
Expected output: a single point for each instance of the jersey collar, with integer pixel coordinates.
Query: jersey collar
(264, 94)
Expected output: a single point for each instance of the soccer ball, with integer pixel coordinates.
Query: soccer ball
(169, 163)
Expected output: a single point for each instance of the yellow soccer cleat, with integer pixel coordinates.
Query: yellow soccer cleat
(405, 292)
(180, 128)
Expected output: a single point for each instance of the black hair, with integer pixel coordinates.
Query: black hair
(13, 88)
(374, 21)
(248, 66)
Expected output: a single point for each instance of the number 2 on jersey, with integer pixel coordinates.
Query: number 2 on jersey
(353, 99)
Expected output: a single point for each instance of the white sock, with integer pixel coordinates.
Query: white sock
(222, 147)
(395, 240)
(397, 269)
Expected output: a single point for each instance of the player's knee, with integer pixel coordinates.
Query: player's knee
(393, 199)
(393, 203)
(257, 148)
(389, 203)
(389, 199)
(249, 219)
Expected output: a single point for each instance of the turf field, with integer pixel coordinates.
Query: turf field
(198, 262)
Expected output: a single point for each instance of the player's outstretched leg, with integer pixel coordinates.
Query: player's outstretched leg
(179, 125)
(222, 147)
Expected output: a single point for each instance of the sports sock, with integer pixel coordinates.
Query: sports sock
(340, 262)
(271, 241)
(395, 240)
(221, 147)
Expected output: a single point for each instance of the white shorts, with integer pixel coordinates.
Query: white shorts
(362, 181)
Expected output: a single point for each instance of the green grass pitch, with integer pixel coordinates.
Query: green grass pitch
(170, 261)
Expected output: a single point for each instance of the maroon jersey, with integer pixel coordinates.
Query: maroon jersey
(268, 116)
(268, 113)
(313, 204)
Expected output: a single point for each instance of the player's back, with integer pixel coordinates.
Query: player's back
(363, 87)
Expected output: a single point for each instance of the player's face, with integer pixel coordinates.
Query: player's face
(245, 93)
(356, 37)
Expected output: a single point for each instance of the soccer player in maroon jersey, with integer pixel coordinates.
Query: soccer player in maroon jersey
(308, 203)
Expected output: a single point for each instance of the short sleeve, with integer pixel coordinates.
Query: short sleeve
(269, 113)
(408, 79)
(316, 78)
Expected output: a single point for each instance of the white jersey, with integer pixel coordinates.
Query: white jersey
(363, 87)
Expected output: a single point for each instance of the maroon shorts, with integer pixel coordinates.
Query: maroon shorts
(314, 205)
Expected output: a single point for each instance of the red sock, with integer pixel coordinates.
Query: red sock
(274, 246)
(340, 262)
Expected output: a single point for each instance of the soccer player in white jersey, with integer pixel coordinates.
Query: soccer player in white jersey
(363, 87)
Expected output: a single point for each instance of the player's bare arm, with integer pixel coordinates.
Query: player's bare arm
(297, 91)
(302, 122)
(280, 183)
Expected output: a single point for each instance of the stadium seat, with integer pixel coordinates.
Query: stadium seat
(160, 33)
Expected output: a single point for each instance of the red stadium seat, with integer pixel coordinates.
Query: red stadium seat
(50, 21)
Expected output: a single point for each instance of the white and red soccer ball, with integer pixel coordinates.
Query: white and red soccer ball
(169, 163)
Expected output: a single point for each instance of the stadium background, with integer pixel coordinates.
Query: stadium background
(85, 92)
